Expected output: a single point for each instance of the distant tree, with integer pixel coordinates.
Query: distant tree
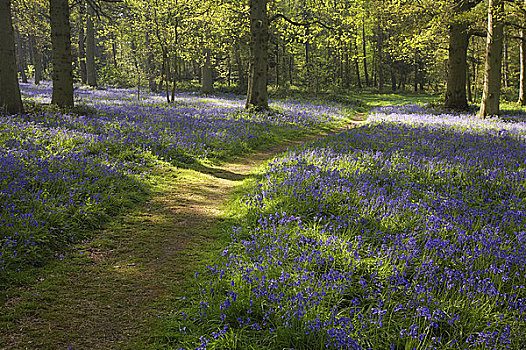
(91, 70)
(62, 59)
(10, 98)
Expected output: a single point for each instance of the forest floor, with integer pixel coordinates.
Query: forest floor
(109, 292)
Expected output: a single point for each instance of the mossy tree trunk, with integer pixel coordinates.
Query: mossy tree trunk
(257, 95)
(490, 103)
(10, 98)
(62, 60)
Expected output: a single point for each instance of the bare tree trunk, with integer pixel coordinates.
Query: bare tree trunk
(82, 42)
(379, 61)
(207, 79)
(37, 59)
(257, 95)
(62, 60)
(356, 66)
(522, 78)
(241, 77)
(490, 104)
(457, 62)
(10, 99)
(91, 70)
(21, 57)
(506, 68)
(365, 74)
(468, 85)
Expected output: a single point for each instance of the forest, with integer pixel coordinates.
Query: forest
(262, 174)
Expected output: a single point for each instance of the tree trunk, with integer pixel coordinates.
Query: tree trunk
(379, 61)
(21, 57)
(62, 60)
(82, 42)
(493, 66)
(468, 85)
(356, 66)
(37, 59)
(522, 78)
(207, 79)
(365, 74)
(91, 70)
(257, 96)
(10, 99)
(241, 76)
(506, 68)
(457, 66)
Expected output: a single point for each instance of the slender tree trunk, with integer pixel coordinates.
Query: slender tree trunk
(364, 43)
(506, 68)
(82, 42)
(379, 61)
(393, 78)
(207, 81)
(468, 85)
(493, 66)
(10, 99)
(356, 65)
(62, 60)
(277, 64)
(522, 77)
(37, 59)
(291, 68)
(91, 69)
(176, 75)
(241, 76)
(257, 95)
(21, 57)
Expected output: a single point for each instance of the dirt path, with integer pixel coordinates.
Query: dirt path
(106, 294)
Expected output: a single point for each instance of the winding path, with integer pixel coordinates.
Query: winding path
(109, 292)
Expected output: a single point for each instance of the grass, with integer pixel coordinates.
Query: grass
(111, 262)
(405, 233)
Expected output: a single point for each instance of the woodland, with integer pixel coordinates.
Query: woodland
(262, 174)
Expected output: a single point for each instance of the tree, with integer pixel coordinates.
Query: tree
(10, 98)
(257, 95)
(91, 71)
(492, 68)
(62, 59)
(457, 61)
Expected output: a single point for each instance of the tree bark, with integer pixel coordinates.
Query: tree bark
(10, 99)
(457, 62)
(62, 59)
(82, 42)
(91, 70)
(207, 79)
(493, 66)
(241, 76)
(365, 74)
(37, 59)
(356, 66)
(257, 96)
(21, 57)
(522, 78)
